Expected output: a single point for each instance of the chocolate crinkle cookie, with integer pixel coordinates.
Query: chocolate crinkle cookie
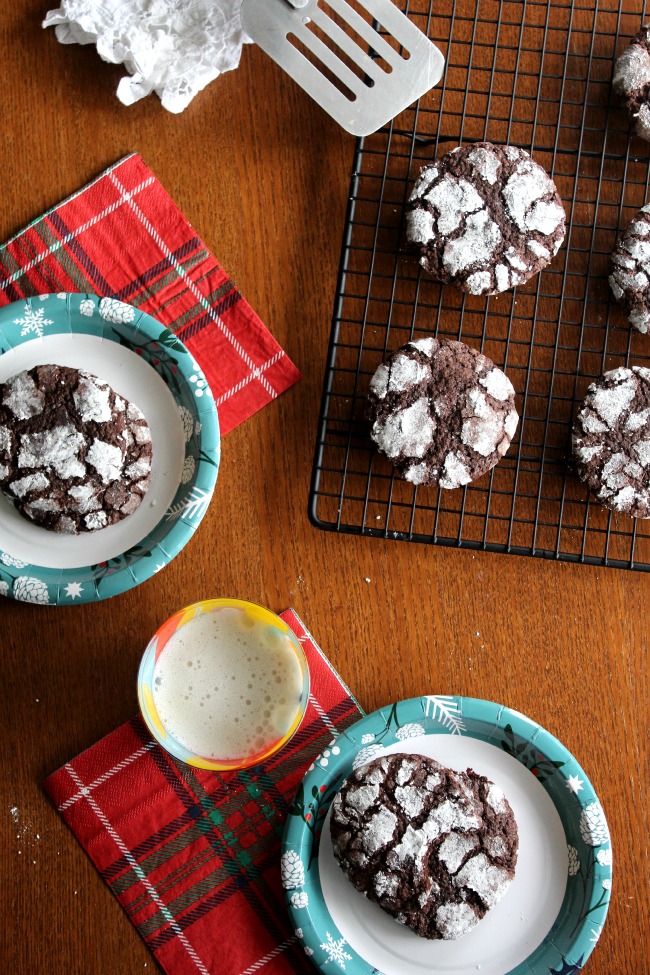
(485, 218)
(611, 440)
(630, 276)
(433, 847)
(441, 412)
(74, 456)
(631, 81)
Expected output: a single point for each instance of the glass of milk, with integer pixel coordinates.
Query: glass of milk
(223, 684)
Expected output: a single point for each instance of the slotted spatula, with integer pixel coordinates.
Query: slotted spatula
(383, 83)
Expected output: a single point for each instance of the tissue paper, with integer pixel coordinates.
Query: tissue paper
(172, 47)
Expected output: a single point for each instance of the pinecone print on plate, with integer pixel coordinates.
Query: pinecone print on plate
(188, 422)
(593, 825)
(292, 869)
(31, 590)
(112, 310)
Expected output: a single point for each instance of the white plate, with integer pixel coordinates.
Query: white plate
(553, 912)
(144, 362)
(133, 378)
(513, 928)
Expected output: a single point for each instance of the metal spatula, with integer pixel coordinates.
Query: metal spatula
(361, 90)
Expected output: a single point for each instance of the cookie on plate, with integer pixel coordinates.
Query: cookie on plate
(74, 456)
(485, 218)
(441, 412)
(611, 440)
(630, 276)
(631, 81)
(433, 847)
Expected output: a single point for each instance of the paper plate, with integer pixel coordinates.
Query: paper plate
(144, 362)
(551, 916)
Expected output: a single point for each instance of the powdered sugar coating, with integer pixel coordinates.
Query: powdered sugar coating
(485, 217)
(409, 431)
(73, 455)
(486, 164)
(453, 199)
(379, 831)
(21, 396)
(477, 244)
(630, 270)
(92, 399)
(426, 862)
(484, 429)
(611, 441)
(485, 878)
(455, 920)
(31, 482)
(453, 849)
(55, 449)
(524, 194)
(447, 418)
(631, 79)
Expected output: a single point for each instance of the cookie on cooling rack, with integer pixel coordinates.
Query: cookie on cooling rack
(611, 440)
(434, 848)
(485, 218)
(74, 456)
(441, 412)
(630, 275)
(631, 81)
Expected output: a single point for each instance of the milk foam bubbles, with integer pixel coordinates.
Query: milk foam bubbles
(226, 686)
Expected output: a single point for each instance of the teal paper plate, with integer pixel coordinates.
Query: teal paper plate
(553, 913)
(148, 365)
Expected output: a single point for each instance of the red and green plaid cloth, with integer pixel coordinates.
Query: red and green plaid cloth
(123, 237)
(192, 856)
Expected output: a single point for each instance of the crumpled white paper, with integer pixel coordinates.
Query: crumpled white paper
(172, 47)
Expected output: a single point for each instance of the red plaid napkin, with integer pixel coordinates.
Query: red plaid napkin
(192, 856)
(123, 237)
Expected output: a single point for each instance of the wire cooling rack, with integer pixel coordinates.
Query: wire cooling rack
(535, 74)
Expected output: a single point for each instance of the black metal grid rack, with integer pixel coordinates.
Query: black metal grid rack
(536, 74)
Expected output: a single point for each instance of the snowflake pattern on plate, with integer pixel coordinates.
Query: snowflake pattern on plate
(335, 950)
(33, 321)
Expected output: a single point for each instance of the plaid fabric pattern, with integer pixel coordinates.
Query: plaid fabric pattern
(123, 237)
(193, 856)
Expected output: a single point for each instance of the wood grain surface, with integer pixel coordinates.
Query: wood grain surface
(263, 176)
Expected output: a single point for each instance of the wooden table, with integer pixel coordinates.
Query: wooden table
(263, 176)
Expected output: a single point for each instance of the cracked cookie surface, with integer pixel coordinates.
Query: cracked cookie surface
(630, 274)
(74, 455)
(631, 81)
(433, 847)
(611, 440)
(485, 217)
(441, 412)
